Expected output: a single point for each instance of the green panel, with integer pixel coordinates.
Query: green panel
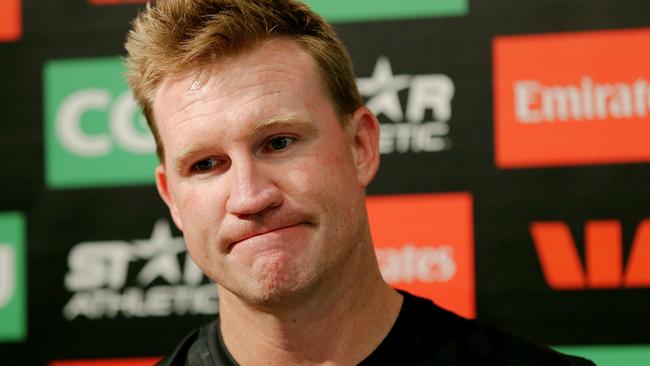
(94, 133)
(619, 355)
(367, 10)
(13, 293)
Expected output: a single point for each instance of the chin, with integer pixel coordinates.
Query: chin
(280, 282)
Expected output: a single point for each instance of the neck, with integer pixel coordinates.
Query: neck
(341, 323)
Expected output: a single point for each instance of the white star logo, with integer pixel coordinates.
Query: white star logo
(162, 248)
(382, 88)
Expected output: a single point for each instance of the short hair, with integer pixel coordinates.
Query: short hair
(182, 35)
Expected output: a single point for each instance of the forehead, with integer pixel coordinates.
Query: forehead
(269, 64)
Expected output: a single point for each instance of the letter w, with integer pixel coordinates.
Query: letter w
(561, 262)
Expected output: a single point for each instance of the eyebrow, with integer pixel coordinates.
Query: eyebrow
(288, 119)
(178, 161)
(284, 120)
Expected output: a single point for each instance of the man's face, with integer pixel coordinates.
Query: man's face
(258, 173)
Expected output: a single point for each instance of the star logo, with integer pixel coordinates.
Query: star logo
(161, 250)
(382, 89)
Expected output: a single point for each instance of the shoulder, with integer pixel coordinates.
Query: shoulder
(177, 358)
(461, 341)
(194, 349)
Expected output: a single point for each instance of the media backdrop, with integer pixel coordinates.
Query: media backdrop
(513, 187)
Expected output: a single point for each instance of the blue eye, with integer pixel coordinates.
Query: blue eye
(205, 164)
(280, 143)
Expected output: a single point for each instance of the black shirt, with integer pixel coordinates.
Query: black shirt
(423, 334)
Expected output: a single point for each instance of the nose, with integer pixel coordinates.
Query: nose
(252, 190)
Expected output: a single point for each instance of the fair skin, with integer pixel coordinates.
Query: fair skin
(268, 188)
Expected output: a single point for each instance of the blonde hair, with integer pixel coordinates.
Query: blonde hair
(181, 35)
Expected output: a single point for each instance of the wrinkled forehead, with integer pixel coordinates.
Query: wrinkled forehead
(272, 61)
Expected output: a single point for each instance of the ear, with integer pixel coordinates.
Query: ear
(364, 129)
(163, 191)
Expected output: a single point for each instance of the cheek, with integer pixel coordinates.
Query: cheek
(325, 180)
(301, 179)
(195, 197)
(201, 212)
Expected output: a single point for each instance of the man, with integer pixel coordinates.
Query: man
(265, 152)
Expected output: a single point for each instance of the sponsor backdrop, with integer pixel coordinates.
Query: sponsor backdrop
(513, 187)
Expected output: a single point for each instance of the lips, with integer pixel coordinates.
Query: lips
(255, 233)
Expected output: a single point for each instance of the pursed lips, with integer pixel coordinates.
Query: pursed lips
(261, 232)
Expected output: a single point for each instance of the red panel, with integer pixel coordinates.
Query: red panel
(10, 20)
(572, 98)
(425, 246)
(116, 362)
